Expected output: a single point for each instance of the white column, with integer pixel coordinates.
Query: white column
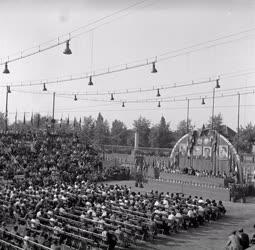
(136, 140)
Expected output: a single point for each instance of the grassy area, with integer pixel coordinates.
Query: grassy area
(212, 235)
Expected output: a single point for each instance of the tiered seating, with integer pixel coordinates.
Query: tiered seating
(83, 215)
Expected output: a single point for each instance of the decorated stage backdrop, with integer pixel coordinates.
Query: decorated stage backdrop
(206, 150)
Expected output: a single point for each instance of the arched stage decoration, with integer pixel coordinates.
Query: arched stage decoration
(207, 150)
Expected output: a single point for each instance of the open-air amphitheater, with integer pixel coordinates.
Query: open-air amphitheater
(68, 199)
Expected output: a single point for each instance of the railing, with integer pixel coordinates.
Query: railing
(128, 150)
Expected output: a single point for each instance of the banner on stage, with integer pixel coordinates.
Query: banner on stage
(200, 141)
(197, 151)
(207, 152)
(223, 152)
(206, 141)
(183, 148)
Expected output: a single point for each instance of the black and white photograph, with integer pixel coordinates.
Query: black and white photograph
(127, 124)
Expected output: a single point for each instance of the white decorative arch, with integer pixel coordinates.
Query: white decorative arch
(176, 146)
(231, 148)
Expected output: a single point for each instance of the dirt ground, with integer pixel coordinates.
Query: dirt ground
(212, 235)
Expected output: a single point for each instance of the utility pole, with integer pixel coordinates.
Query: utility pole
(8, 91)
(53, 112)
(187, 116)
(213, 109)
(238, 122)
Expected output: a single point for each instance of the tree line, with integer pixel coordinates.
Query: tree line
(160, 135)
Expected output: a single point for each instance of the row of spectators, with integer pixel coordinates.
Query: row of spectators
(45, 158)
(84, 214)
(60, 204)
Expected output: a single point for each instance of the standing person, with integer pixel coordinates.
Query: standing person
(111, 240)
(233, 242)
(244, 239)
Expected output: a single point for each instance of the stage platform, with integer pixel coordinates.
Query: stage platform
(192, 179)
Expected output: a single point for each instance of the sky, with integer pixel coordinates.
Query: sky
(149, 29)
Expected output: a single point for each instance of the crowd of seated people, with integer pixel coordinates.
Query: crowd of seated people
(85, 214)
(61, 203)
(43, 158)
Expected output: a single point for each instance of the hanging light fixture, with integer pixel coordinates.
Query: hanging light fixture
(67, 50)
(203, 101)
(44, 87)
(6, 70)
(123, 104)
(112, 98)
(159, 104)
(90, 81)
(75, 98)
(217, 83)
(154, 70)
(8, 89)
(158, 94)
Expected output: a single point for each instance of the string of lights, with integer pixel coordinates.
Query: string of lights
(140, 91)
(134, 109)
(124, 66)
(63, 39)
(127, 91)
(158, 100)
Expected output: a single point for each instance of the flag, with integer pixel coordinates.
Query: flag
(32, 119)
(214, 142)
(24, 118)
(38, 120)
(202, 131)
(60, 125)
(74, 122)
(67, 122)
(80, 122)
(16, 118)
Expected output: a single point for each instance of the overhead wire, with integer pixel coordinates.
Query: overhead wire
(132, 91)
(66, 37)
(153, 100)
(123, 66)
(138, 109)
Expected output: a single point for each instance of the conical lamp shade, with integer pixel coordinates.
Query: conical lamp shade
(154, 70)
(67, 50)
(90, 81)
(6, 70)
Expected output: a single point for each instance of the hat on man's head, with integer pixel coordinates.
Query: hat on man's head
(240, 230)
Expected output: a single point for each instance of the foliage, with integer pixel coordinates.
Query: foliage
(161, 136)
(217, 123)
(101, 131)
(119, 133)
(182, 128)
(246, 138)
(142, 125)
